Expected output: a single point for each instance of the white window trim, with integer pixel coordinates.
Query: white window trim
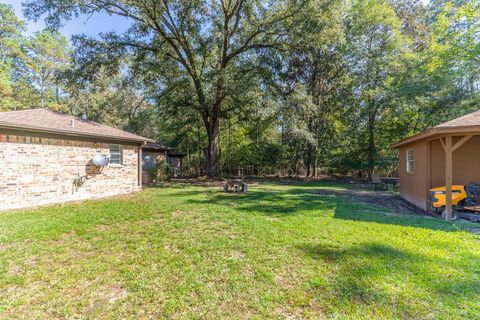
(408, 168)
(120, 153)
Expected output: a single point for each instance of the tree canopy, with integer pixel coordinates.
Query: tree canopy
(271, 87)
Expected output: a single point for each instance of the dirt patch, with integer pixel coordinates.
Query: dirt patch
(475, 231)
(106, 296)
(171, 248)
(237, 255)
(388, 200)
(5, 247)
(177, 214)
(14, 269)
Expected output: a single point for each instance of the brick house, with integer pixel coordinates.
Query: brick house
(46, 157)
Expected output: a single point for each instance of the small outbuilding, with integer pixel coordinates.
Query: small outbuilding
(446, 154)
(50, 157)
(175, 160)
(153, 153)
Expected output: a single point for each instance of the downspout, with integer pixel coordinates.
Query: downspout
(140, 169)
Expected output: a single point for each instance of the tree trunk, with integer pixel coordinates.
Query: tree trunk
(314, 162)
(42, 95)
(308, 160)
(212, 126)
(371, 143)
(295, 165)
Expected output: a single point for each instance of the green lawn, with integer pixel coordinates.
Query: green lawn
(195, 252)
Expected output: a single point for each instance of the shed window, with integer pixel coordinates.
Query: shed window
(410, 164)
(115, 154)
(148, 161)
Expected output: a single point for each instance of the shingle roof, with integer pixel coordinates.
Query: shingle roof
(171, 152)
(155, 146)
(44, 120)
(468, 120)
(467, 123)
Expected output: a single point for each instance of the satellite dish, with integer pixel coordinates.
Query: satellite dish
(101, 160)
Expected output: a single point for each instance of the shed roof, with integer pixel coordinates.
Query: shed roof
(155, 146)
(49, 121)
(468, 120)
(464, 124)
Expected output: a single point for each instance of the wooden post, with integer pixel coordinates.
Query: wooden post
(448, 177)
(428, 174)
(140, 169)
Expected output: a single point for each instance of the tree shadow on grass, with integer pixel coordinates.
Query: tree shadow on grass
(295, 201)
(275, 203)
(362, 212)
(372, 274)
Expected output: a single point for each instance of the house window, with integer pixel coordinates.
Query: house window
(115, 154)
(410, 164)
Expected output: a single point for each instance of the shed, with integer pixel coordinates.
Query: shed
(152, 153)
(446, 154)
(175, 159)
(46, 157)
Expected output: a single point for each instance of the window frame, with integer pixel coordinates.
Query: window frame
(119, 154)
(410, 163)
(148, 160)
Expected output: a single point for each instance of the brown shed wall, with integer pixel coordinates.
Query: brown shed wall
(466, 162)
(413, 186)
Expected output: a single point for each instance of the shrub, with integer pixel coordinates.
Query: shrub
(163, 171)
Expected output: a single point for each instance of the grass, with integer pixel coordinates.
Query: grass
(194, 252)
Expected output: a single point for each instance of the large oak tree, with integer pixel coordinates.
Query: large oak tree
(206, 40)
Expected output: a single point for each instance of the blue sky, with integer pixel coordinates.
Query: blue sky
(89, 25)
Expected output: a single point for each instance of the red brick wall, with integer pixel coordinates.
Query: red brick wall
(38, 171)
